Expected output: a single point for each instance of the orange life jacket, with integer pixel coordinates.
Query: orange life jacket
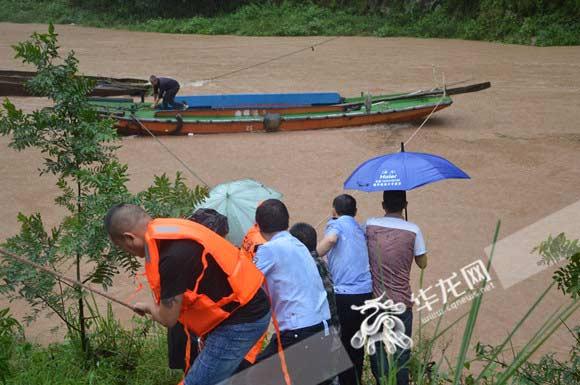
(251, 241)
(199, 313)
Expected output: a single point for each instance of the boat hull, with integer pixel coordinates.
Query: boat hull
(131, 126)
(236, 112)
(13, 83)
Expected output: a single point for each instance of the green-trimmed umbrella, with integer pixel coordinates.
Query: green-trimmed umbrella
(238, 201)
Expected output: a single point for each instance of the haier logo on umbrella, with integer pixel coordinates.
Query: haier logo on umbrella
(387, 178)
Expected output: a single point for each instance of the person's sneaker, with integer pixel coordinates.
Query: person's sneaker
(185, 106)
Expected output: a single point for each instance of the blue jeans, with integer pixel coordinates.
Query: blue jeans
(380, 363)
(224, 349)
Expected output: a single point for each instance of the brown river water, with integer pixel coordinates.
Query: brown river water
(519, 141)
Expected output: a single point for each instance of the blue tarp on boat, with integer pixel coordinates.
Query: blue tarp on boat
(260, 100)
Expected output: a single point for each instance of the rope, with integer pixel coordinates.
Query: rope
(430, 114)
(321, 222)
(170, 152)
(63, 278)
(195, 175)
(422, 124)
(311, 47)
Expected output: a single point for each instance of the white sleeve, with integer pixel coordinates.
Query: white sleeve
(419, 243)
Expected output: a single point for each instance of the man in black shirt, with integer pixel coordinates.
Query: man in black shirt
(180, 267)
(166, 89)
(176, 336)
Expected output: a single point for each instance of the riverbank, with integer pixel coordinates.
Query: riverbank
(554, 26)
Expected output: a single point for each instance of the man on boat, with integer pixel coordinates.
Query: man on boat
(165, 89)
(199, 279)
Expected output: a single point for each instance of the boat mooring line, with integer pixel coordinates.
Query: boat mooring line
(430, 114)
(269, 61)
(311, 47)
(221, 76)
(417, 130)
(169, 151)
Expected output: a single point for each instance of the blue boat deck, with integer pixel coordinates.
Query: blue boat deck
(260, 100)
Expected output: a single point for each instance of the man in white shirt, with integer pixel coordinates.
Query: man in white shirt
(393, 245)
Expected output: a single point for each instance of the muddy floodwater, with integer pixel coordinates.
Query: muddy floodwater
(519, 141)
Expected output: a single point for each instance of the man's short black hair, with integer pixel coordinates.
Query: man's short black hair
(122, 218)
(272, 216)
(305, 234)
(394, 201)
(344, 205)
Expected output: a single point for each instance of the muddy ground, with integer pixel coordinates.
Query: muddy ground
(519, 141)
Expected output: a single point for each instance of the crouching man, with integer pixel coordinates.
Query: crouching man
(198, 279)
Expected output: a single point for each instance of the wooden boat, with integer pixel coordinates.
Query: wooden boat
(142, 123)
(13, 83)
(345, 105)
(140, 119)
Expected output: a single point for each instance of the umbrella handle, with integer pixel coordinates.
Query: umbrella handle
(405, 194)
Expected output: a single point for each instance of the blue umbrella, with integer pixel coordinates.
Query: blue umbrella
(402, 171)
(238, 201)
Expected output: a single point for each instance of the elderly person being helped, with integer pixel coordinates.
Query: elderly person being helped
(197, 278)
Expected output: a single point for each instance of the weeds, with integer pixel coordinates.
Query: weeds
(59, 364)
(427, 363)
(491, 20)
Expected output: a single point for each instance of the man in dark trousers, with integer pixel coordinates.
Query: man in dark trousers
(176, 335)
(298, 297)
(345, 246)
(198, 279)
(165, 89)
(394, 244)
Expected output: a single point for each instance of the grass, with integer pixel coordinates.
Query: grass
(298, 19)
(58, 364)
(139, 355)
(119, 356)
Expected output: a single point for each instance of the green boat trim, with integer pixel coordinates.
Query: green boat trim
(143, 111)
(377, 109)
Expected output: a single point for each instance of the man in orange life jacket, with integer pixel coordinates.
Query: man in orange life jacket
(198, 278)
(176, 336)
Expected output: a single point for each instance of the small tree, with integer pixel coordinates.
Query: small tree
(79, 149)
